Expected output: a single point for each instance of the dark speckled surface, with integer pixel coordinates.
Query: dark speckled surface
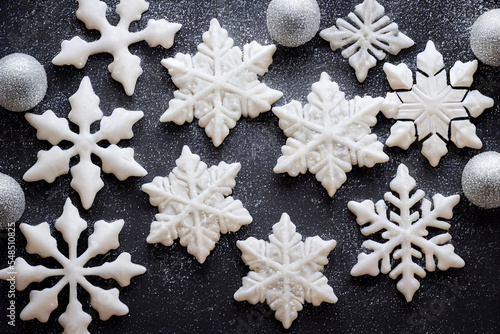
(177, 294)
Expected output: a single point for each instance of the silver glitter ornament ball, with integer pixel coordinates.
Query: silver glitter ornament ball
(485, 37)
(293, 22)
(23, 82)
(12, 201)
(481, 180)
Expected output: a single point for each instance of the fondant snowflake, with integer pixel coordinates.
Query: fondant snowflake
(195, 205)
(329, 134)
(115, 40)
(219, 84)
(405, 231)
(432, 105)
(73, 271)
(286, 271)
(370, 35)
(86, 176)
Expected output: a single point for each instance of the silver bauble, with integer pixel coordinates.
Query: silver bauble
(481, 180)
(23, 82)
(293, 22)
(12, 201)
(485, 37)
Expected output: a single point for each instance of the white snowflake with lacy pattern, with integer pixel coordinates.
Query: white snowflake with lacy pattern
(115, 40)
(73, 271)
(86, 176)
(220, 83)
(432, 106)
(405, 231)
(329, 134)
(286, 271)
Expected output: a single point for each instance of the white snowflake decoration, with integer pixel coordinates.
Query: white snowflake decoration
(86, 176)
(371, 35)
(73, 271)
(286, 271)
(432, 105)
(115, 40)
(404, 231)
(329, 134)
(195, 205)
(219, 84)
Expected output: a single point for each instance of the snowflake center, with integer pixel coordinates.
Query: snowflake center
(72, 271)
(366, 33)
(86, 143)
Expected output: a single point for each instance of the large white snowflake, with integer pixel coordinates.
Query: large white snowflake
(329, 134)
(73, 271)
(219, 84)
(86, 176)
(286, 271)
(195, 205)
(115, 40)
(370, 34)
(431, 105)
(405, 231)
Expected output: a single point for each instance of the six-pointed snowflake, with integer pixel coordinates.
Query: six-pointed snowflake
(219, 84)
(115, 40)
(405, 231)
(432, 105)
(73, 271)
(86, 176)
(329, 134)
(371, 35)
(286, 271)
(195, 205)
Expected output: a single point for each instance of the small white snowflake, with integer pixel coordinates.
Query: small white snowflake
(371, 35)
(86, 176)
(73, 271)
(432, 105)
(286, 271)
(195, 205)
(404, 231)
(329, 134)
(219, 84)
(115, 40)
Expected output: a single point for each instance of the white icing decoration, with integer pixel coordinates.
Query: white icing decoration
(432, 105)
(86, 176)
(115, 40)
(404, 232)
(370, 34)
(329, 134)
(219, 84)
(73, 271)
(286, 271)
(195, 205)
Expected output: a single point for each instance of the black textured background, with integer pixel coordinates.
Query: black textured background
(177, 294)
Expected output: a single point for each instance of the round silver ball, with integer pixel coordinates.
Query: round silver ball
(23, 82)
(485, 37)
(12, 202)
(293, 22)
(481, 180)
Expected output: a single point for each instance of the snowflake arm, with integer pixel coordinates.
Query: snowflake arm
(115, 40)
(404, 231)
(370, 34)
(219, 84)
(195, 205)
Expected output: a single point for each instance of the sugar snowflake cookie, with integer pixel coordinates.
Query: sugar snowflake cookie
(406, 231)
(329, 134)
(73, 271)
(115, 40)
(286, 271)
(220, 83)
(369, 37)
(431, 105)
(195, 205)
(86, 176)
